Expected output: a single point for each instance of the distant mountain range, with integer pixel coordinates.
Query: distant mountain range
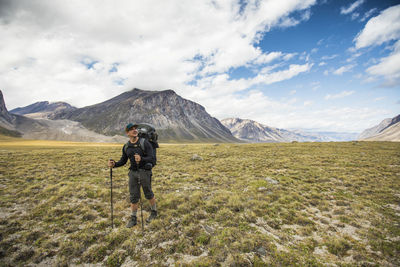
(387, 130)
(252, 131)
(43, 109)
(175, 118)
(23, 126)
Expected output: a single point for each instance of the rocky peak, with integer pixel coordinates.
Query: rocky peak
(394, 120)
(3, 109)
(386, 123)
(44, 109)
(174, 117)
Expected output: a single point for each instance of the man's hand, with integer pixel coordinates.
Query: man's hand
(111, 163)
(137, 158)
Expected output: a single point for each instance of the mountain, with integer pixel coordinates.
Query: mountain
(16, 125)
(21, 126)
(387, 130)
(375, 130)
(327, 136)
(43, 109)
(175, 118)
(252, 131)
(392, 133)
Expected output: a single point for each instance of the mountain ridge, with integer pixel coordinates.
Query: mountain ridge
(42, 109)
(252, 131)
(387, 130)
(46, 129)
(174, 117)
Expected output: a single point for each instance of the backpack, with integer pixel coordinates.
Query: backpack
(148, 132)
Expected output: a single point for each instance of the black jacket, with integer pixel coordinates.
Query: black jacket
(132, 149)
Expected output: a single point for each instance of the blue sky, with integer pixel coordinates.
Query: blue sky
(321, 65)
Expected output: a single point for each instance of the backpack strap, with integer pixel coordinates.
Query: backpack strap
(141, 145)
(126, 148)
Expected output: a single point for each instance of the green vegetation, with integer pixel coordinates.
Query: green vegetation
(310, 204)
(7, 132)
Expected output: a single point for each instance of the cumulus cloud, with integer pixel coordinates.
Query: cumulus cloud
(351, 8)
(329, 57)
(84, 52)
(343, 69)
(336, 118)
(388, 67)
(339, 95)
(380, 29)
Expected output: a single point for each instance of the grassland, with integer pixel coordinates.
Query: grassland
(313, 204)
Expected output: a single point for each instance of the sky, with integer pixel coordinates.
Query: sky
(321, 65)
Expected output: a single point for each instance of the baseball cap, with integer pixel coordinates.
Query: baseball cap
(130, 126)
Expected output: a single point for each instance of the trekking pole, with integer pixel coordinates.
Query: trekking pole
(112, 215)
(140, 194)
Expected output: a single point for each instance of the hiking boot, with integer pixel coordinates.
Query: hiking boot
(152, 216)
(132, 222)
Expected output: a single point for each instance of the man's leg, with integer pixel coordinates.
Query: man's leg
(134, 191)
(153, 203)
(134, 207)
(153, 206)
(148, 193)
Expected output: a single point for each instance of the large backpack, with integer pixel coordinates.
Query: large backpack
(148, 132)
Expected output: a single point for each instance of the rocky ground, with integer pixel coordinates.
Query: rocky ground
(315, 204)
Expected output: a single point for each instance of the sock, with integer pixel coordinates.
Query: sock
(134, 213)
(154, 207)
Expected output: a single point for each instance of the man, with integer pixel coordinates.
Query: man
(139, 171)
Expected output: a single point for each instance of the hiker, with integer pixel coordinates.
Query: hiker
(141, 164)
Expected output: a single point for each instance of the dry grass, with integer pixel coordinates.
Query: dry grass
(261, 204)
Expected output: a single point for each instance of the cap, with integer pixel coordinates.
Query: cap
(130, 126)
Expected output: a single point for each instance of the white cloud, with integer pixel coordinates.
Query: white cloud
(368, 14)
(315, 86)
(339, 95)
(323, 63)
(289, 56)
(278, 76)
(84, 52)
(291, 113)
(351, 8)
(336, 118)
(267, 58)
(220, 86)
(292, 92)
(291, 21)
(65, 50)
(388, 67)
(329, 57)
(354, 16)
(307, 103)
(343, 69)
(380, 29)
